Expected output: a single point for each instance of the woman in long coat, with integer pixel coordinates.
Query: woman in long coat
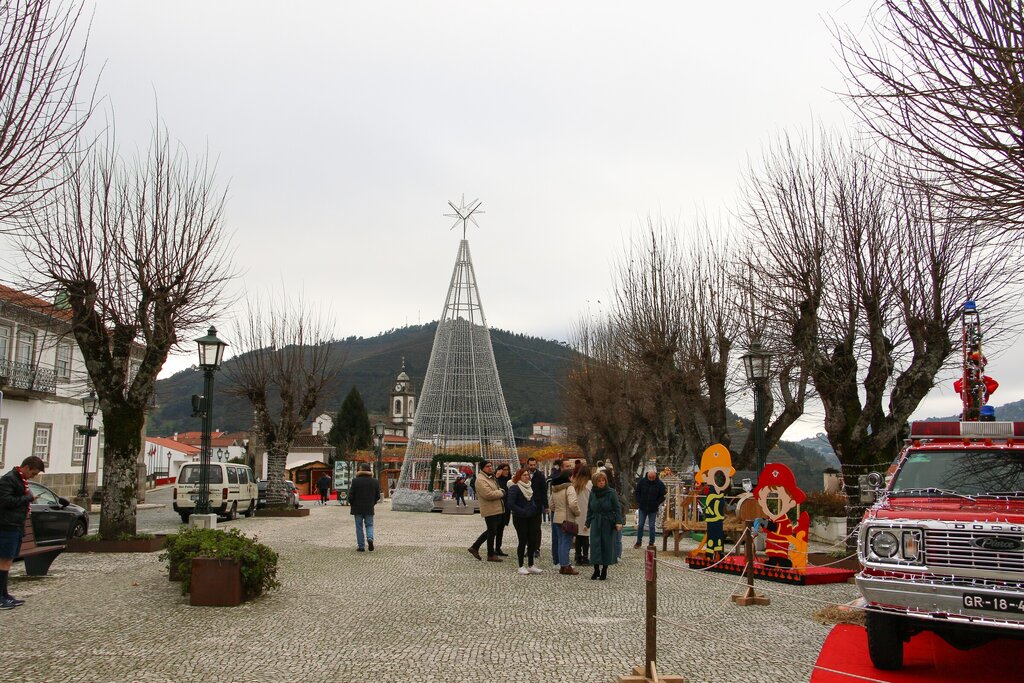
(604, 518)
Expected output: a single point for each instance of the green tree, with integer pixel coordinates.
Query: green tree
(351, 431)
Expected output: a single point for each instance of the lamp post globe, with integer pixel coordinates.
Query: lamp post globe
(756, 365)
(211, 353)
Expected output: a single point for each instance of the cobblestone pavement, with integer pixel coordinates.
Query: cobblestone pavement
(419, 608)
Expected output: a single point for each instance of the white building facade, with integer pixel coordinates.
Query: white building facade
(43, 380)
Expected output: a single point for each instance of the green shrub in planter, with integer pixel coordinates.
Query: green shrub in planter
(259, 562)
(820, 505)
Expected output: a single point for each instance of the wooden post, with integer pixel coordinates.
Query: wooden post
(651, 579)
(749, 596)
(648, 673)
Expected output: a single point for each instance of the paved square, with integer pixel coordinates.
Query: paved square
(419, 608)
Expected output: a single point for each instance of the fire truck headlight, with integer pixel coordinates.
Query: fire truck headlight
(884, 544)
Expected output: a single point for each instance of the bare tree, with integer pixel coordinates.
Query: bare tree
(941, 79)
(867, 278)
(40, 115)
(138, 251)
(285, 361)
(600, 397)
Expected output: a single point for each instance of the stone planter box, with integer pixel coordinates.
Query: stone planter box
(828, 529)
(283, 512)
(136, 545)
(215, 583)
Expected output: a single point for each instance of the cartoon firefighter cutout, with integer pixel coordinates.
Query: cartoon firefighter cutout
(777, 494)
(716, 472)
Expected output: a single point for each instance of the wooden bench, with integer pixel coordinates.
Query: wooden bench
(683, 518)
(37, 558)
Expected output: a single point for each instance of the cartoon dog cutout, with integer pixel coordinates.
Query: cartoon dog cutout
(778, 483)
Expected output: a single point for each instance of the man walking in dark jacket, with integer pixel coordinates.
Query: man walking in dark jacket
(323, 485)
(15, 498)
(363, 494)
(649, 495)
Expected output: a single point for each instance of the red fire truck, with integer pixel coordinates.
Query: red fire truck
(943, 548)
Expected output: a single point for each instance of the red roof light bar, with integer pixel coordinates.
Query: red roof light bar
(980, 430)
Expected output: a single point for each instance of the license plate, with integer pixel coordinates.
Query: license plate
(995, 603)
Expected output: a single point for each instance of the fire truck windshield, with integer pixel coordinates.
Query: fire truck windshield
(975, 472)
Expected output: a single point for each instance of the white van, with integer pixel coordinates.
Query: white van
(232, 489)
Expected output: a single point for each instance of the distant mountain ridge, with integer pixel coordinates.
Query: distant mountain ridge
(1009, 412)
(532, 372)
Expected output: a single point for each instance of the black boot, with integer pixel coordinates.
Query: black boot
(597, 572)
(604, 572)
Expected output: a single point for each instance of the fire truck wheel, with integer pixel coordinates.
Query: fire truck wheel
(885, 641)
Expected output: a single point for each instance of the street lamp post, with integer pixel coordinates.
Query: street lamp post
(378, 433)
(211, 353)
(90, 405)
(756, 362)
(168, 464)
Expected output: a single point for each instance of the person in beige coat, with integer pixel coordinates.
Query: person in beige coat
(581, 482)
(566, 511)
(492, 509)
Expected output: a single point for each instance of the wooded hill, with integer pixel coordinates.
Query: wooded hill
(532, 372)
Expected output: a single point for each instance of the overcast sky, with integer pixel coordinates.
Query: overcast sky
(342, 129)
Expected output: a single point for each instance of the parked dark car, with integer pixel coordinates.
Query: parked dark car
(293, 494)
(56, 519)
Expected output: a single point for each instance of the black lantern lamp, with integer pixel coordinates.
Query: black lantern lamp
(211, 353)
(756, 364)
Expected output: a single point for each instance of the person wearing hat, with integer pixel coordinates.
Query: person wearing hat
(716, 470)
(649, 495)
(776, 482)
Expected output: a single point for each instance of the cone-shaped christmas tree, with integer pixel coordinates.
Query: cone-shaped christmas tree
(461, 414)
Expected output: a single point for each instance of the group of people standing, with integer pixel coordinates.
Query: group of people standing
(586, 515)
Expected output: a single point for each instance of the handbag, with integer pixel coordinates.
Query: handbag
(570, 527)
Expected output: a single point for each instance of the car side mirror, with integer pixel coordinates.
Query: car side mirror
(869, 485)
(64, 502)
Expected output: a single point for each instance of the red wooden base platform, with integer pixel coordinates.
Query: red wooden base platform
(810, 576)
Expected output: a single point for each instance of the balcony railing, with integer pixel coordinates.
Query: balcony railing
(16, 375)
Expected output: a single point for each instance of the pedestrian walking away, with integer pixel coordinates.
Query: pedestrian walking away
(323, 485)
(526, 512)
(649, 495)
(566, 513)
(459, 491)
(363, 495)
(604, 519)
(492, 509)
(15, 499)
(502, 475)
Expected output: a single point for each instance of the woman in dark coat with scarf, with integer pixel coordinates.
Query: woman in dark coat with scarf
(604, 518)
(526, 511)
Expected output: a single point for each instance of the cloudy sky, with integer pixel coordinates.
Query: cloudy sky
(342, 129)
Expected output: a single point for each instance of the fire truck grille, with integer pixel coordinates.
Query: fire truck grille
(966, 549)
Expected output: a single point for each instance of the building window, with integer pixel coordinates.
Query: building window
(26, 350)
(398, 406)
(63, 365)
(41, 441)
(78, 444)
(3, 441)
(5, 343)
